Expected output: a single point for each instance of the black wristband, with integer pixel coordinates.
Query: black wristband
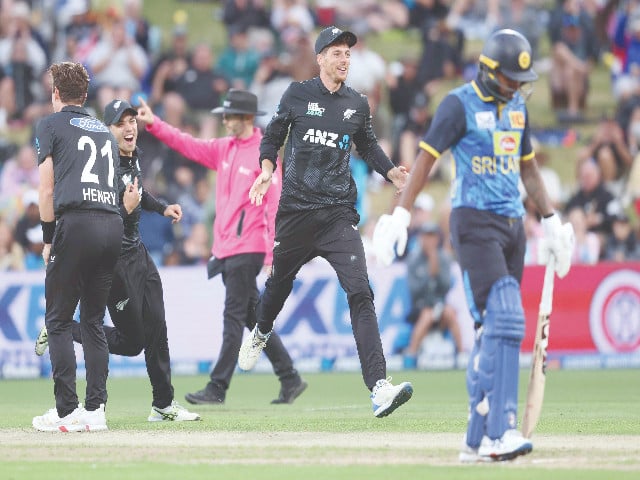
(161, 207)
(47, 231)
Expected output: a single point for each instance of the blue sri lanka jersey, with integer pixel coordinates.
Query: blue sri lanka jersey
(488, 140)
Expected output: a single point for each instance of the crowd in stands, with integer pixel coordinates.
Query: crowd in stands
(269, 45)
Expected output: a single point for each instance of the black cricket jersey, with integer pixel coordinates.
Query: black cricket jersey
(129, 170)
(321, 128)
(85, 157)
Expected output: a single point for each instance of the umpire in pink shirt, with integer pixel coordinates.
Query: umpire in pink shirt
(243, 235)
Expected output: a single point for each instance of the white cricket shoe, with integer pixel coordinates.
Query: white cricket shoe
(80, 420)
(95, 420)
(251, 349)
(469, 454)
(511, 445)
(386, 397)
(173, 413)
(42, 342)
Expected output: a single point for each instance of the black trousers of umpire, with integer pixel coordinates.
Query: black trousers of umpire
(239, 274)
(85, 248)
(136, 307)
(331, 233)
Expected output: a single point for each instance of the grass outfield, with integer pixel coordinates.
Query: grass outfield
(590, 429)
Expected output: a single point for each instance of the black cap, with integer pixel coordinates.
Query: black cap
(621, 217)
(116, 109)
(331, 35)
(239, 101)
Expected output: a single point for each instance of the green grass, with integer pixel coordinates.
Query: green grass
(327, 433)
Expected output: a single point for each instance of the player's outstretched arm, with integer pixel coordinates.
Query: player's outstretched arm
(262, 183)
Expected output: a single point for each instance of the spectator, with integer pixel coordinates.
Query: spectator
(534, 232)
(622, 244)
(610, 151)
(157, 235)
(194, 248)
(239, 60)
(574, 52)
(138, 27)
(422, 212)
(200, 85)
(525, 16)
(23, 60)
(429, 282)
(193, 201)
(550, 177)
(417, 124)
(33, 253)
(11, 252)
(475, 18)
(117, 63)
(626, 42)
(171, 65)
(246, 13)
(593, 198)
(376, 15)
(269, 83)
(20, 173)
(587, 244)
(441, 57)
(29, 219)
(367, 71)
(403, 86)
(287, 14)
(77, 29)
(296, 59)
(423, 12)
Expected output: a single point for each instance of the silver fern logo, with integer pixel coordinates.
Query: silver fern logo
(121, 304)
(348, 113)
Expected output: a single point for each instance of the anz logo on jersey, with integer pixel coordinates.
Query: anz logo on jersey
(328, 139)
(89, 124)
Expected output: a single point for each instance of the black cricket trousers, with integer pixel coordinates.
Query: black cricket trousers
(85, 249)
(239, 274)
(330, 233)
(136, 306)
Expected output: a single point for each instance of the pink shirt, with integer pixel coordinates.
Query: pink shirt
(239, 226)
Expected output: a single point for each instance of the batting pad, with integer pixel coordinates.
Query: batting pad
(498, 360)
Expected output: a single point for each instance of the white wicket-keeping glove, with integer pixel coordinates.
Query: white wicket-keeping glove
(558, 241)
(391, 230)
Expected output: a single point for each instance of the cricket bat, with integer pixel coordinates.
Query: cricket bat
(535, 391)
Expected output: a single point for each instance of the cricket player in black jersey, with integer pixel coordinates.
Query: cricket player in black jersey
(135, 302)
(316, 216)
(82, 232)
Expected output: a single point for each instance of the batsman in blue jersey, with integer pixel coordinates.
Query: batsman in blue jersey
(485, 124)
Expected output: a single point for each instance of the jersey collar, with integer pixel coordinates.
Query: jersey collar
(341, 91)
(75, 109)
(481, 92)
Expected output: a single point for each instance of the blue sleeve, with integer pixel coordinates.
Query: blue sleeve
(449, 125)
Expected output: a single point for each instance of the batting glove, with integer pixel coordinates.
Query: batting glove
(391, 230)
(558, 241)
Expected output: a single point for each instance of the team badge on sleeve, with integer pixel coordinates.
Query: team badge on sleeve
(516, 120)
